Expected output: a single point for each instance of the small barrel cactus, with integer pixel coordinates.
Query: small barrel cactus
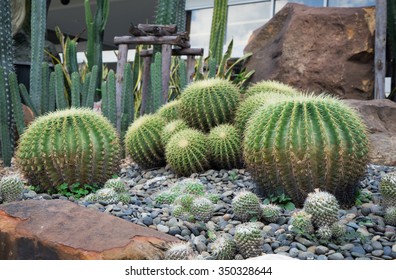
(11, 188)
(225, 147)
(224, 248)
(187, 152)
(202, 209)
(338, 230)
(194, 187)
(249, 240)
(107, 196)
(92, 197)
(387, 189)
(301, 143)
(166, 197)
(246, 205)
(185, 200)
(116, 184)
(390, 216)
(271, 87)
(169, 111)
(179, 251)
(143, 141)
(171, 129)
(208, 103)
(69, 146)
(301, 223)
(323, 207)
(271, 213)
(124, 197)
(324, 232)
(214, 197)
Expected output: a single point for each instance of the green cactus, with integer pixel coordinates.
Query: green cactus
(338, 230)
(246, 205)
(71, 55)
(185, 200)
(91, 86)
(128, 99)
(171, 129)
(224, 248)
(116, 184)
(299, 144)
(324, 232)
(124, 197)
(187, 152)
(59, 86)
(271, 212)
(75, 90)
(92, 197)
(271, 87)
(179, 251)
(249, 240)
(180, 18)
(323, 207)
(166, 197)
(301, 223)
(16, 103)
(390, 216)
(208, 103)
(111, 98)
(178, 211)
(169, 111)
(202, 209)
(69, 146)
(156, 100)
(107, 196)
(11, 188)
(387, 189)
(182, 71)
(47, 94)
(218, 29)
(225, 147)
(193, 187)
(143, 141)
(214, 197)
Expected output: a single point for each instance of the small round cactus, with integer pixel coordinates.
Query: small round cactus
(171, 129)
(338, 230)
(323, 207)
(194, 187)
(271, 213)
(116, 184)
(387, 189)
(179, 251)
(107, 196)
(185, 200)
(166, 197)
(214, 197)
(225, 147)
(390, 216)
(187, 152)
(246, 205)
(324, 232)
(11, 188)
(301, 223)
(92, 197)
(143, 141)
(271, 87)
(202, 209)
(124, 197)
(169, 111)
(249, 240)
(224, 248)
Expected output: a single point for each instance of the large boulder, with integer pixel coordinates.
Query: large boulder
(317, 49)
(58, 229)
(380, 118)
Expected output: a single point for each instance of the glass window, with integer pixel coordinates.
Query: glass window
(313, 3)
(351, 3)
(201, 21)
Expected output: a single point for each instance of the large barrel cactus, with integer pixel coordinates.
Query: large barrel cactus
(306, 142)
(69, 146)
(271, 87)
(208, 103)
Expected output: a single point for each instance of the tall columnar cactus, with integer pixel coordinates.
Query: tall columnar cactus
(180, 18)
(110, 101)
(218, 29)
(307, 142)
(208, 103)
(128, 99)
(246, 205)
(271, 87)
(170, 111)
(187, 152)
(69, 146)
(225, 147)
(156, 100)
(11, 188)
(323, 207)
(143, 141)
(387, 189)
(249, 240)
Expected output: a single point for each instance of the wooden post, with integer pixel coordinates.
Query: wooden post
(380, 49)
(166, 66)
(190, 68)
(122, 60)
(146, 83)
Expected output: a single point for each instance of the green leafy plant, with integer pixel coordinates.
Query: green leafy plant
(281, 200)
(363, 197)
(76, 190)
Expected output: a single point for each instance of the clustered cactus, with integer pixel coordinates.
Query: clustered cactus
(387, 189)
(113, 191)
(249, 240)
(301, 223)
(270, 212)
(171, 129)
(11, 188)
(170, 111)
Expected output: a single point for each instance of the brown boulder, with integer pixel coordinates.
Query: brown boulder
(317, 49)
(380, 118)
(58, 229)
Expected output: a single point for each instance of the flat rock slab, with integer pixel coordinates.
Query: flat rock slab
(61, 230)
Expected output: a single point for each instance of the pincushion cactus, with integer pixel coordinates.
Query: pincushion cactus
(246, 205)
(323, 207)
(166, 197)
(107, 196)
(271, 87)
(301, 223)
(390, 216)
(338, 230)
(116, 184)
(179, 251)
(202, 209)
(387, 189)
(224, 248)
(249, 240)
(11, 188)
(271, 212)
(324, 232)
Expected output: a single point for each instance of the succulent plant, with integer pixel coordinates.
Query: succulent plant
(171, 129)
(338, 230)
(225, 147)
(143, 141)
(194, 187)
(323, 207)
(324, 232)
(170, 111)
(116, 184)
(224, 248)
(179, 251)
(202, 209)
(301, 223)
(214, 197)
(271, 212)
(246, 205)
(387, 189)
(11, 188)
(271, 87)
(208, 103)
(124, 197)
(166, 197)
(92, 197)
(390, 216)
(107, 195)
(178, 211)
(187, 152)
(249, 240)
(185, 200)
(69, 146)
(296, 145)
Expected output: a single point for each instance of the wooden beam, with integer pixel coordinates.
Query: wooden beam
(181, 40)
(158, 30)
(145, 85)
(190, 68)
(121, 61)
(380, 49)
(176, 52)
(166, 68)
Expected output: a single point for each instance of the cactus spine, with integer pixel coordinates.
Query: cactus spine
(271, 87)
(170, 111)
(224, 248)
(179, 251)
(271, 213)
(301, 223)
(246, 205)
(390, 216)
(323, 207)
(387, 189)
(171, 129)
(11, 188)
(249, 240)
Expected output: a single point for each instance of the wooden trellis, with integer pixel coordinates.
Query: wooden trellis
(146, 34)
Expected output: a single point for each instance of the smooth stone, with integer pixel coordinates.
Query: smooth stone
(377, 253)
(293, 252)
(336, 256)
(333, 246)
(275, 245)
(174, 230)
(322, 258)
(301, 247)
(267, 248)
(347, 247)
(321, 250)
(304, 241)
(388, 251)
(282, 249)
(185, 232)
(147, 220)
(368, 248)
(306, 256)
(162, 228)
(376, 245)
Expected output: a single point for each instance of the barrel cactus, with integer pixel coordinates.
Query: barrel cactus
(143, 141)
(301, 223)
(270, 87)
(249, 240)
(323, 207)
(324, 232)
(225, 147)
(338, 230)
(208, 103)
(246, 205)
(387, 189)
(170, 111)
(224, 248)
(11, 188)
(187, 152)
(69, 146)
(390, 216)
(171, 129)
(271, 212)
(306, 142)
(202, 209)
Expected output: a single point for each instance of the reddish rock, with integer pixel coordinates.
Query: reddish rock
(58, 229)
(317, 49)
(380, 118)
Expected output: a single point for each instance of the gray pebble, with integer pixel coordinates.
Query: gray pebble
(321, 250)
(282, 249)
(293, 252)
(388, 251)
(322, 257)
(147, 221)
(336, 256)
(174, 230)
(377, 253)
(376, 245)
(162, 228)
(304, 241)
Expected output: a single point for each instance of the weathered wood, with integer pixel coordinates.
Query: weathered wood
(380, 49)
(135, 31)
(181, 40)
(176, 52)
(158, 30)
(166, 66)
(121, 61)
(146, 84)
(190, 68)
